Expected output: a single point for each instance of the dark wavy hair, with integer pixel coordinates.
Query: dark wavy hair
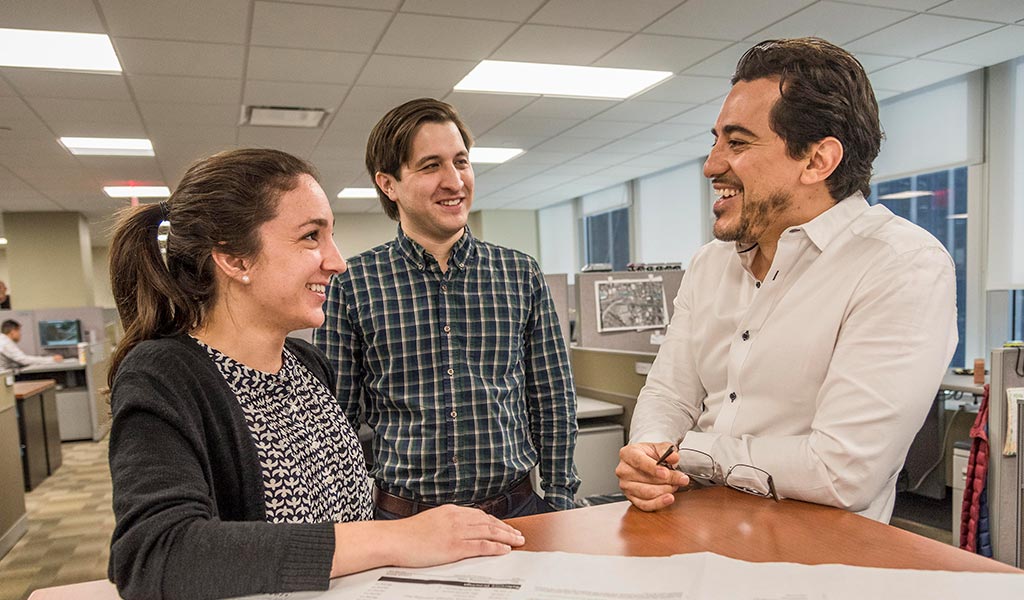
(390, 142)
(824, 92)
(220, 203)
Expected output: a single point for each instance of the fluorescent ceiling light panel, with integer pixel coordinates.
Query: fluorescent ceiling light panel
(137, 191)
(285, 116)
(905, 195)
(57, 50)
(358, 193)
(87, 146)
(483, 155)
(505, 77)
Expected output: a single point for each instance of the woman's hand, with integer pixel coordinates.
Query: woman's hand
(437, 536)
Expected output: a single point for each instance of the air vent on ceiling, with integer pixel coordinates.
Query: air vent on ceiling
(283, 116)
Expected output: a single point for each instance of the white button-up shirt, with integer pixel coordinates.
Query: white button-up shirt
(822, 373)
(11, 356)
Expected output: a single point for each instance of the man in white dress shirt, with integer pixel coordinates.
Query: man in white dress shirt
(809, 339)
(11, 356)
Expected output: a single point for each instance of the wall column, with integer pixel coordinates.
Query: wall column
(49, 260)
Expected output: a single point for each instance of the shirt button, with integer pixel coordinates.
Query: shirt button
(746, 335)
(447, 329)
(758, 284)
(455, 460)
(732, 397)
(451, 371)
(454, 414)
(444, 288)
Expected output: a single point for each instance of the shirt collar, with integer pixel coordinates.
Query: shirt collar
(824, 228)
(462, 253)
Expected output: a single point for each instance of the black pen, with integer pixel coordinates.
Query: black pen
(661, 461)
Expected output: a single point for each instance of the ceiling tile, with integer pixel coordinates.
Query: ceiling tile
(510, 140)
(559, 45)
(466, 39)
(672, 132)
(914, 5)
(51, 15)
(570, 144)
(352, 205)
(603, 14)
(660, 52)
(66, 84)
(724, 19)
(986, 49)
(388, 5)
(91, 111)
(351, 128)
(379, 100)
(308, 66)
(198, 20)
(689, 89)
(685, 151)
(130, 128)
(645, 112)
(599, 159)
(1004, 11)
(920, 34)
(129, 168)
(201, 135)
(288, 25)
(402, 71)
(917, 73)
(722, 64)
(194, 59)
(156, 88)
(536, 126)
(501, 10)
(608, 130)
(302, 95)
(35, 153)
(299, 142)
(836, 22)
(566, 108)
(874, 62)
(705, 115)
(168, 113)
(14, 109)
(637, 146)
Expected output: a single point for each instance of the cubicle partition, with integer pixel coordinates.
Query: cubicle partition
(1004, 478)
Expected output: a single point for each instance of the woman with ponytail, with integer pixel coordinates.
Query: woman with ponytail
(234, 470)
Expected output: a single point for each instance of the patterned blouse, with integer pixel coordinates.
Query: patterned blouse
(313, 468)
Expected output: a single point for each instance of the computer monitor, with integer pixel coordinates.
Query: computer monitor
(60, 333)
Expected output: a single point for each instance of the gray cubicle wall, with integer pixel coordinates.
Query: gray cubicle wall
(587, 317)
(1004, 486)
(558, 283)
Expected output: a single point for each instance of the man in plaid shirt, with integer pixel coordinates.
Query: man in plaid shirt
(447, 346)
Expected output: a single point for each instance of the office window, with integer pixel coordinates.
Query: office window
(1016, 315)
(938, 203)
(606, 238)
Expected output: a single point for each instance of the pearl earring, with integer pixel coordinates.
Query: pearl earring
(245, 279)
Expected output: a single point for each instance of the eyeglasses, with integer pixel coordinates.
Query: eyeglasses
(745, 478)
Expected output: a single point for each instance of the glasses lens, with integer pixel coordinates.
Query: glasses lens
(696, 464)
(748, 479)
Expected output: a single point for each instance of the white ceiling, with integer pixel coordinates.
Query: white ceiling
(189, 66)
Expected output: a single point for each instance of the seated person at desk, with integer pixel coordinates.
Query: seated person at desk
(808, 340)
(11, 356)
(234, 469)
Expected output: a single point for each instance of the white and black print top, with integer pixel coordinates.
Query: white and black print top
(313, 469)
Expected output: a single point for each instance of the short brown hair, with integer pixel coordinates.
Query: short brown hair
(390, 142)
(824, 92)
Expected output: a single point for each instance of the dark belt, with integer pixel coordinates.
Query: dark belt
(498, 505)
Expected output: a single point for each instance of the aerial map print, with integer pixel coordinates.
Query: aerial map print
(631, 304)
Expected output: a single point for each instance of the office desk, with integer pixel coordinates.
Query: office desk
(717, 520)
(81, 409)
(38, 430)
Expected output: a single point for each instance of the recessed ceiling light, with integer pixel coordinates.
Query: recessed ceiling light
(358, 193)
(137, 191)
(57, 50)
(505, 77)
(88, 146)
(905, 195)
(483, 155)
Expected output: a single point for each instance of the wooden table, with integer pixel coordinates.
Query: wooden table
(718, 520)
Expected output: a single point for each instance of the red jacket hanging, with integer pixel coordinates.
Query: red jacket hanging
(974, 529)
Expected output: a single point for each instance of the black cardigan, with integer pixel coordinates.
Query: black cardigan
(188, 487)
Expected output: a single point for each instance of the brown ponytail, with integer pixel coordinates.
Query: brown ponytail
(221, 202)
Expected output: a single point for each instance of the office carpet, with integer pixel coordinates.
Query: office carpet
(69, 525)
